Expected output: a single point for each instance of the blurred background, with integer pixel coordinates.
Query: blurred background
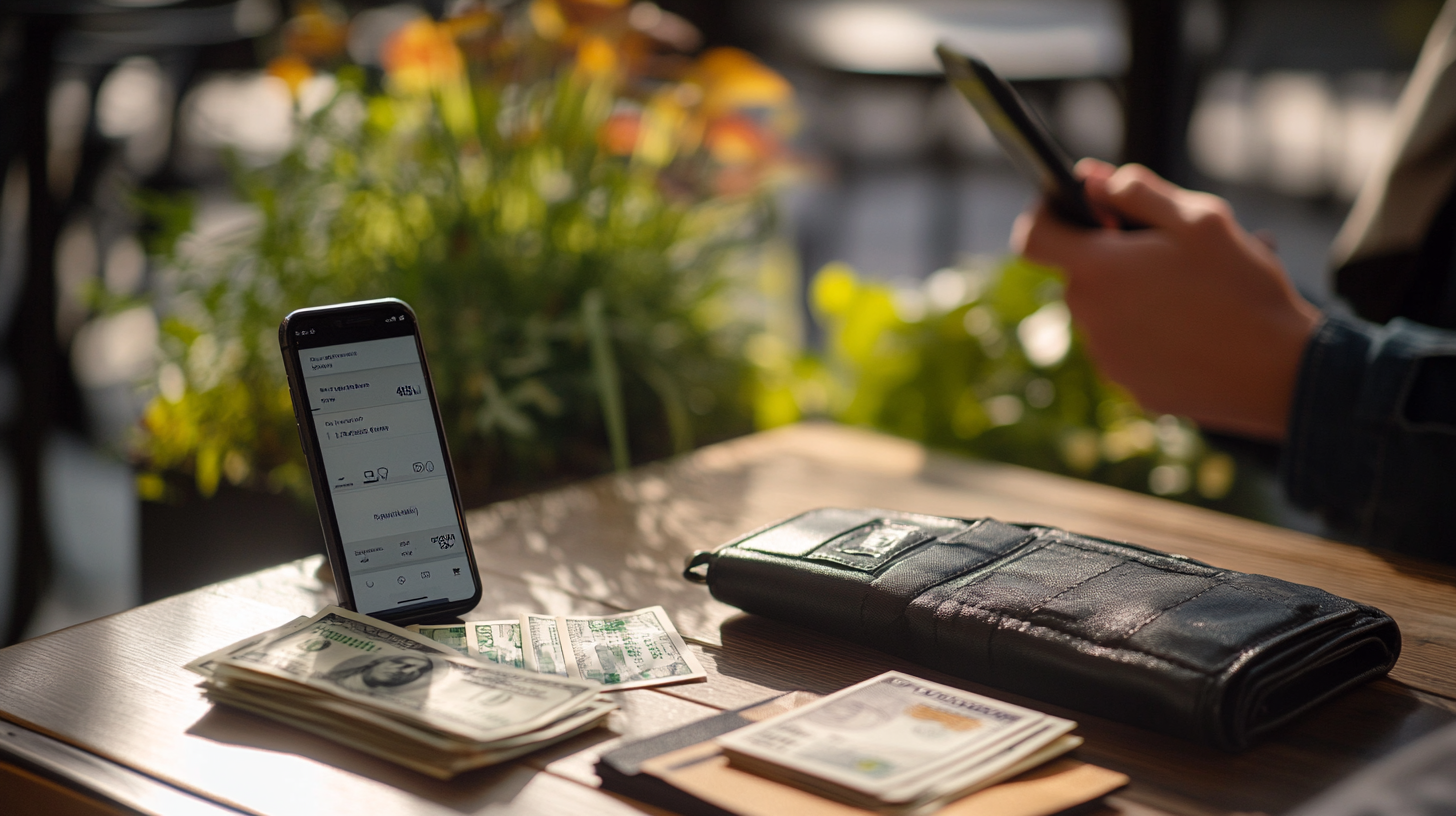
(786, 210)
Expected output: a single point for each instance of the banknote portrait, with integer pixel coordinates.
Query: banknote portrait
(401, 677)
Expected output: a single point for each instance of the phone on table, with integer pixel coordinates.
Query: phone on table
(1019, 132)
(371, 431)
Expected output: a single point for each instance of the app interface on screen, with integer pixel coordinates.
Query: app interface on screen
(383, 463)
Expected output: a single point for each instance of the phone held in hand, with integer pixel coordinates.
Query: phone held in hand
(376, 450)
(1020, 134)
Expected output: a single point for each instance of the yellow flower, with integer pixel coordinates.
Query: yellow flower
(596, 57)
(422, 56)
(733, 79)
(293, 70)
(547, 19)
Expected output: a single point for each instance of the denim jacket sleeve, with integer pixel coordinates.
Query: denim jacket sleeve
(1371, 444)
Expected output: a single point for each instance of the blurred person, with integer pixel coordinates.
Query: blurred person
(1195, 316)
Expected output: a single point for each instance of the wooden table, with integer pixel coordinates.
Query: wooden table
(115, 687)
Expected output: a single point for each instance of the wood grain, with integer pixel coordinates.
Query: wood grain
(115, 686)
(622, 540)
(26, 792)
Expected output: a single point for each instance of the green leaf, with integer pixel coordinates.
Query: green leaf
(608, 378)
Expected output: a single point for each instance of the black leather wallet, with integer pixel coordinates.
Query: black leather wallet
(1109, 628)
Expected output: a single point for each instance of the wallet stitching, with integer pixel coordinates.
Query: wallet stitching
(900, 616)
(1126, 557)
(1044, 601)
(1001, 617)
(1289, 627)
(1224, 579)
(1158, 614)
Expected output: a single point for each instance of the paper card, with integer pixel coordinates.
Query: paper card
(702, 771)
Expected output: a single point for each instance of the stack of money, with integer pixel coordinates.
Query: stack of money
(630, 650)
(397, 695)
(896, 743)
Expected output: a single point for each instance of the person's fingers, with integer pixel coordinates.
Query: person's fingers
(1141, 195)
(1094, 187)
(1040, 236)
(1093, 168)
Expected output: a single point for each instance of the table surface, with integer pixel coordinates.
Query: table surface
(115, 687)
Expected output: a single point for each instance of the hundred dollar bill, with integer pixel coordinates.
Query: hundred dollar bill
(497, 642)
(440, 762)
(491, 641)
(348, 656)
(452, 635)
(545, 654)
(894, 739)
(629, 650)
(204, 665)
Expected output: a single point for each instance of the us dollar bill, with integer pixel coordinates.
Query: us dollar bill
(491, 641)
(497, 642)
(204, 665)
(452, 635)
(344, 656)
(442, 762)
(544, 653)
(623, 651)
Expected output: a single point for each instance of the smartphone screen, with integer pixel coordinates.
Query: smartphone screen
(382, 473)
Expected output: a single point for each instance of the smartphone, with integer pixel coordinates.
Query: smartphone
(1019, 132)
(371, 431)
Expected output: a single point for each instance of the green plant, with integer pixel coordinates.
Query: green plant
(568, 225)
(981, 360)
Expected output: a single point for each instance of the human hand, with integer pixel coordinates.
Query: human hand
(1192, 315)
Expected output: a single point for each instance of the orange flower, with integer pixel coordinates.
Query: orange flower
(618, 134)
(314, 33)
(738, 140)
(292, 69)
(422, 56)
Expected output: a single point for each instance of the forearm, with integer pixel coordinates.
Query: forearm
(1371, 441)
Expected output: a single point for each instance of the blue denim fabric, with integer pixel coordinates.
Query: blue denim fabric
(1378, 467)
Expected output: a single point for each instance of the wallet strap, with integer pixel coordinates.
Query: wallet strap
(931, 565)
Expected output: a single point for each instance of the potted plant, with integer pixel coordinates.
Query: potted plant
(570, 202)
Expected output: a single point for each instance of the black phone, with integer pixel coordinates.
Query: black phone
(1024, 138)
(371, 431)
